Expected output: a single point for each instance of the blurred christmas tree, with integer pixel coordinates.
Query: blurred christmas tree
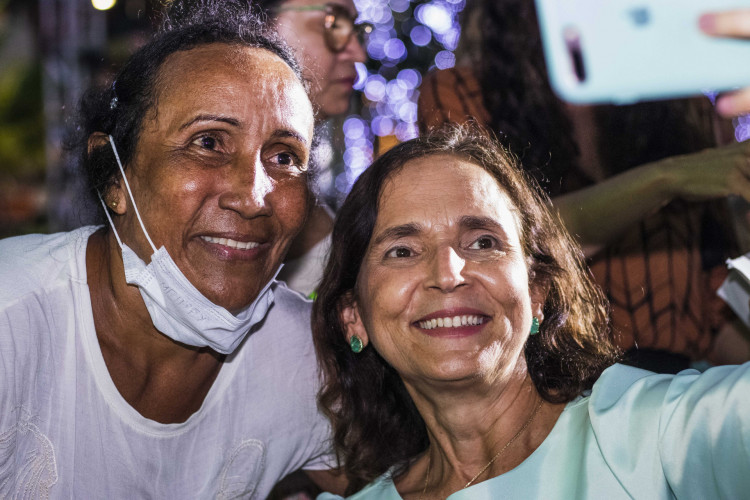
(409, 38)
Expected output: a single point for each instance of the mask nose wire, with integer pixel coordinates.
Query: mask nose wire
(130, 193)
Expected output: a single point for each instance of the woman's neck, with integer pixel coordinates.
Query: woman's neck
(476, 433)
(161, 379)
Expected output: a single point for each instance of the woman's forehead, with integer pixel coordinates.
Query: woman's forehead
(441, 189)
(187, 68)
(246, 83)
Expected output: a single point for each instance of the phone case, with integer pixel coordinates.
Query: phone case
(621, 51)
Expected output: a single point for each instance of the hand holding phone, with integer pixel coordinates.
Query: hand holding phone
(736, 24)
(623, 51)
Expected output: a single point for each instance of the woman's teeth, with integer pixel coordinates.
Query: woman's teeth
(453, 322)
(240, 245)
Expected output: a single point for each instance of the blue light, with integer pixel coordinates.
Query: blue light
(435, 16)
(450, 38)
(382, 126)
(389, 103)
(406, 131)
(396, 90)
(395, 49)
(375, 88)
(376, 13)
(407, 112)
(420, 35)
(354, 127)
(399, 5)
(445, 59)
(410, 77)
(361, 75)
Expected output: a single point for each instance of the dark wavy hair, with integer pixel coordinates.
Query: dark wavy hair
(119, 108)
(533, 122)
(375, 423)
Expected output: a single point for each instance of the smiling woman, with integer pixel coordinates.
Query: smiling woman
(151, 355)
(480, 356)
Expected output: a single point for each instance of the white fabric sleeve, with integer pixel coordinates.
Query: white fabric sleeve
(705, 433)
(690, 431)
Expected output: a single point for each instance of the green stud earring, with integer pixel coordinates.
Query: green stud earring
(534, 326)
(356, 344)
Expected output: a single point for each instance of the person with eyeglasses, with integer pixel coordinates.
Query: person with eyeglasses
(328, 41)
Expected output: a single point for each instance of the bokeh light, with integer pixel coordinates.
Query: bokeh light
(420, 35)
(103, 4)
(409, 38)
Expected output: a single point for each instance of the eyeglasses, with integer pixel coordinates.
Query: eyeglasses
(338, 23)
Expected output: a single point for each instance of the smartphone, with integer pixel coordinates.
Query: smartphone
(622, 51)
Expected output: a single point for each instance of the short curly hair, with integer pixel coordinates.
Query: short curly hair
(119, 108)
(376, 425)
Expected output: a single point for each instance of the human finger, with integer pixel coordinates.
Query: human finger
(731, 23)
(735, 103)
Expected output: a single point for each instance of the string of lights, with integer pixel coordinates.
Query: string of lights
(408, 39)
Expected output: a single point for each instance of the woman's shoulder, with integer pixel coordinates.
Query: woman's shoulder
(381, 488)
(451, 95)
(692, 427)
(34, 261)
(293, 306)
(658, 407)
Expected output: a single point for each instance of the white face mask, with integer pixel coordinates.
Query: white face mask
(176, 307)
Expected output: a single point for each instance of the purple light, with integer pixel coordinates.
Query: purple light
(354, 127)
(406, 131)
(399, 5)
(445, 59)
(361, 75)
(375, 88)
(407, 112)
(410, 77)
(382, 126)
(396, 90)
(394, 49)
(450, 39)
(420, 35)
(435, 16)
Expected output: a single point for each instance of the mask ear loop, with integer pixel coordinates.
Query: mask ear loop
(109, 218)
(130, 193)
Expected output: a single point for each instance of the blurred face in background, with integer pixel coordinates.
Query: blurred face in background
(326, 41)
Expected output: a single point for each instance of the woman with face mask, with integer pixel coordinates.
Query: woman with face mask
(155, 355)
(327, 40)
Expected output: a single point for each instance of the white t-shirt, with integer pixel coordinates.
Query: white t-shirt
(304, 274)
(638, 436)
(66, 432)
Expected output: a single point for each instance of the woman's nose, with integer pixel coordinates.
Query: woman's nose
(354, 51)
(447, 270)
(248, 189)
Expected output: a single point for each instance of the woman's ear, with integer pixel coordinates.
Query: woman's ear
(538, 291)
(351, 319)
(113, 196)
(97, 140)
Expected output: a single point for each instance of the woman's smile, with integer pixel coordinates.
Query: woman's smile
(445, 276)
(234, 248)
(453, 323)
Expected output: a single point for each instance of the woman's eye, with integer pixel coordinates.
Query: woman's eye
(483, 243)
(206, 142)
(399, 253)
(285, 159)
(288, 160)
